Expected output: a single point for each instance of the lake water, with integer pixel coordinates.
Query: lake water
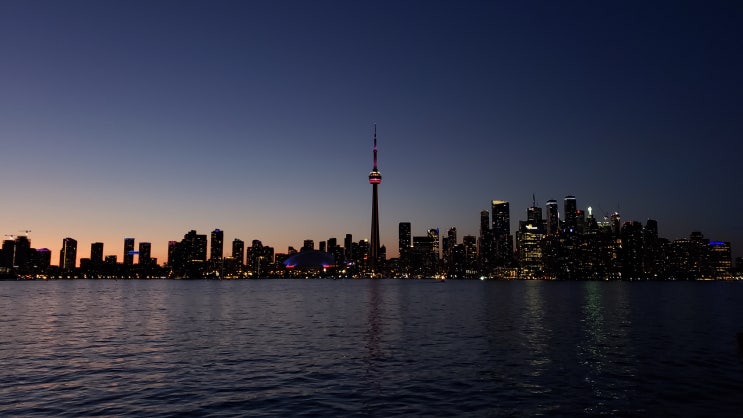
(370, 347)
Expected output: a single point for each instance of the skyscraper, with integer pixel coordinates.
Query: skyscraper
(238, 250)
(348, 246)
(433, 233)
(145, 253)
(501, 218)
(128, 251)
(484, 222)
(570, 207)
(96, 253)
(68, 254)
(375, 178)
(501, 230)
(217, 249)
(449, 242)
(553, 219)
(403, 234)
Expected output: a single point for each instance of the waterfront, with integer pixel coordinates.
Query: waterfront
(370, 347)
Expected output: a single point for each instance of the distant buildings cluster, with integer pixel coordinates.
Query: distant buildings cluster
(187, 258)
(576, 247)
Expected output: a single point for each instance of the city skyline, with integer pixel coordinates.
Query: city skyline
(494, 229)
(146, 120)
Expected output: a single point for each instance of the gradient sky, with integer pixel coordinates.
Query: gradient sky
(146, 119)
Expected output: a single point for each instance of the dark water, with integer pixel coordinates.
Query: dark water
(361, 347)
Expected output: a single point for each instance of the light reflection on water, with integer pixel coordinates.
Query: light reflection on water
(361, 347)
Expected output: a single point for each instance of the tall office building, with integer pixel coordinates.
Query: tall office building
(43, 258)
(433, 233)
(68, 254)
(403, 237)
(348, 246)
(501, 230)
(469, 244)
(375, 178)
(238, 251)
(485, 244)
(570, 207)
(128, 251)
(553, 217)
(145, 253)
(22, 251)
(501, 217)
(217, 249)
(172, 252)
(7, 254)
(448, 243)
(96, 253)
(452, 235)
(484, 222)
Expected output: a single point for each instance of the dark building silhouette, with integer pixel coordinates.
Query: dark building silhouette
(68, 254)
(308, 245)
(632, 250)
(96, 253)
(260, 259)
(448, 242)
(332, 243)
(43, 259)
(128, 251)
(485, 244)
(570, 206)
(720, 259)
(238, 251)
(553, 217)
(145, 253)
(7, 254)
(423, 259)
(217, 247)
(501, 230)
(433, 233)
(22, 255)
(187, 258)
(404, 245)
(348, 245)
(652, 251)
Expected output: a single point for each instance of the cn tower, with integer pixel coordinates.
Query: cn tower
(374, 179)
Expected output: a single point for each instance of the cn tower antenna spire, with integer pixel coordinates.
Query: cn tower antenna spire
(375, 146)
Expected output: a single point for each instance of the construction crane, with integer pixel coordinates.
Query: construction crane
(25, 231)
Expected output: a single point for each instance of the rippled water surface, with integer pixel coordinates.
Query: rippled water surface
(362, 347)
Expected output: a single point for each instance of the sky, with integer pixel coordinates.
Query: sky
(147, 119)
